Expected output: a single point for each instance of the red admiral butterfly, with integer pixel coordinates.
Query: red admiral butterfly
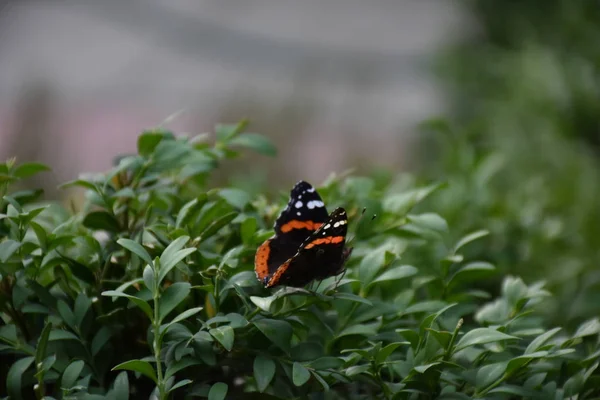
(308, 243)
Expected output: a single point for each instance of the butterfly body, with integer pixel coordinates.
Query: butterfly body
(309, 243)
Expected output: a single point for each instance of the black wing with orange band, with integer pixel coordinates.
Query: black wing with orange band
(303, 215)
(321, 255)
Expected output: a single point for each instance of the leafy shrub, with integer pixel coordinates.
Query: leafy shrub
(149, 291)
(521, 151)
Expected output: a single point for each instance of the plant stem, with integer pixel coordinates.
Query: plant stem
(156, 345)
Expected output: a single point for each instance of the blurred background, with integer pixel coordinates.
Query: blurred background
(501, 99)
(333, 83)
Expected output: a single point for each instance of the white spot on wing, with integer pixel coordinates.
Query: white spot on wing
(327, 226)
(314, 204)
(310, 190)
(298, 204)
(336, 224)
(298, 213)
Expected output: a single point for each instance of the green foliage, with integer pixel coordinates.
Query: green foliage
(150, 290)
(521, 150)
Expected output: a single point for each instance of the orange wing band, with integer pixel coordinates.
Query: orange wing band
(260, 261)
(277, 275)
(325, 240)
(295, 224)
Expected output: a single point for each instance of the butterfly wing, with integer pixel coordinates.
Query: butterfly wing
(303, 215)
(321, 255)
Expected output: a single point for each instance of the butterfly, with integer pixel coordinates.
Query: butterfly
(309, 243)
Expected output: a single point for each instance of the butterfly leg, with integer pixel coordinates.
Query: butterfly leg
(317, 287)
(337, 282)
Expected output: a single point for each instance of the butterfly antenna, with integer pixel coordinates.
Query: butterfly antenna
(362, 214)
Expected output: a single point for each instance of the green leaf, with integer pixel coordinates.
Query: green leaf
(320, 380)
(171, 261)
(400, 272)
(401, 203)
(58, 334)
(384, 353)
(490, 373)
(45, 366)
(80, 271)
(145, 307)
(40, 351)
(218, 391)
(121, 387)
(177, 366)
(186, 314)
(171, 297)
(264, 303)
(148, 141)
(100, 339)
(376, 258)
(264, 371)
(82, 183)
(300, 375)
(514, 289)
(17, 207)
(66, 314)
(278, 332)
(101, 220)
(357, 369)
(189, 209)
(214, 227)
(247, 229)
(363, 330)
(180, 384)
(326, 363)
(71, 374)
(235, 197)
(137, 249)
(224, 132)
(125, 193)
(482, 336)
(256, 142)
(429, 221)
(26, 170)
(470, 238)
(40, 233)
(82, 305)
(140, 366)
(224, 335)
(410, 335)
(588, 328)
(422, 368)
(470, 272)
(520, 361)
(32, 213)
(169, 253)
(518, 391)
(15, 375)
(574, 385)
(352, 297)
(148, 275)
(7, 249)
(236, 320)
(540, 340)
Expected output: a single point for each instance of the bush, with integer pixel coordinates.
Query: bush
(149, 291)
(521, 151)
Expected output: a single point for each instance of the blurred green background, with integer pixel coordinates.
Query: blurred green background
(500, 99)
